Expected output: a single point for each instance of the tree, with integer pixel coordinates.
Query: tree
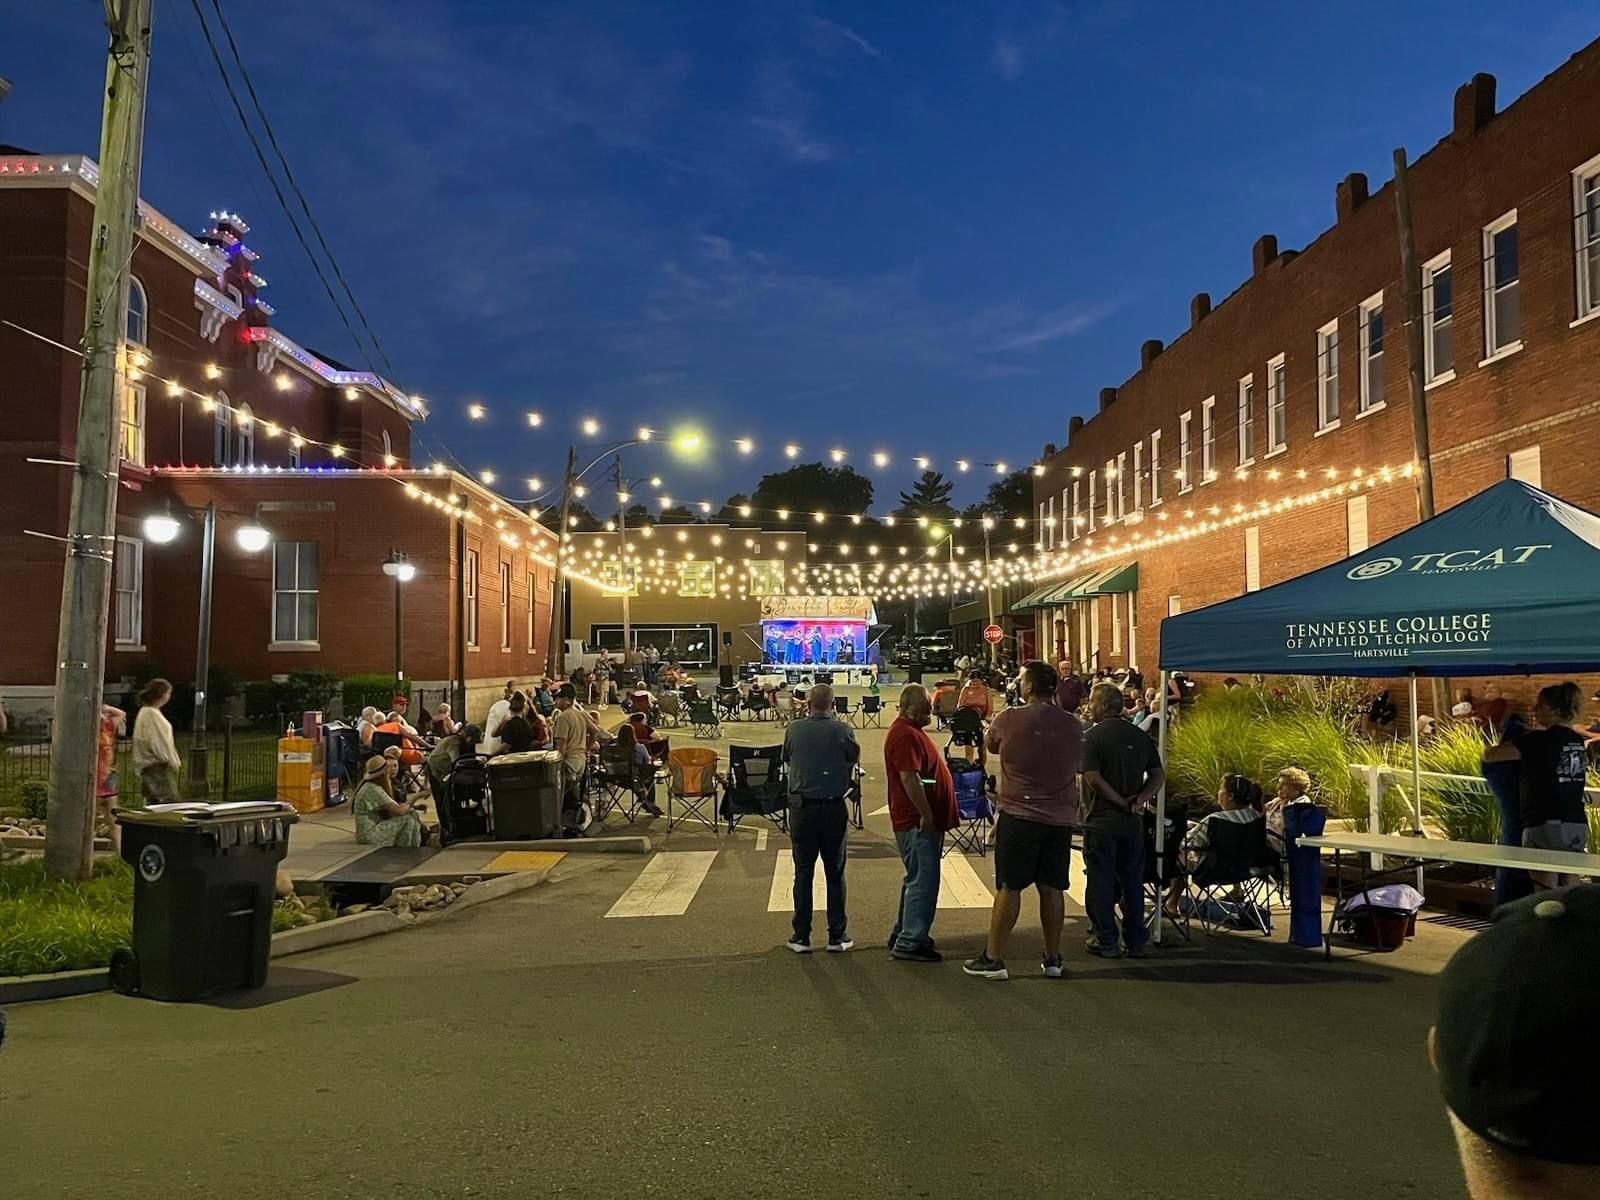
(677, 514)
(929, 497)
(812, 487)
(730, 509)
(637, 515)
(1008, 497)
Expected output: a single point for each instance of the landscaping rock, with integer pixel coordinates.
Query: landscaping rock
(353, 909)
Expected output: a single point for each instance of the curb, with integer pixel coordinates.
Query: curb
(372, 923)
(622, 843)
(14, 841)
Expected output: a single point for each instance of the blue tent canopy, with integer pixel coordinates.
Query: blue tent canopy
(1504, 583)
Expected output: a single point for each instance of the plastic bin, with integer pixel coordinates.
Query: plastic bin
(300, 773)
(202, 897)
(525, 795)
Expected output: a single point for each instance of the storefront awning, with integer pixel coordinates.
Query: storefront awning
(1103, 581)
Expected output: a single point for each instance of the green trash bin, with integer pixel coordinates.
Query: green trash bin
(525, 795)
(203, 889)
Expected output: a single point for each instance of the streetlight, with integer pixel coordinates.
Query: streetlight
(399, 568)
(163, 528)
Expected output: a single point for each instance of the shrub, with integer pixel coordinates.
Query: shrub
(48, 925)
(373, 687)
(35, 799)
(297, 692)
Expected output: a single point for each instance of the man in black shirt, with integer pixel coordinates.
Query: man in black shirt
(1121, 775)
(1554, 771)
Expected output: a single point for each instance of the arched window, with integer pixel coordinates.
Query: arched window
(246, 422)
(388, 448)
(222, 433)
(296, 447)
(138, 312)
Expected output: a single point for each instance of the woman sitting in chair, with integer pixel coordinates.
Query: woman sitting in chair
(644, 769)
(1240, 800)
(381, 818)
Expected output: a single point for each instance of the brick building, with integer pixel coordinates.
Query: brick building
(1274, 434)
(218, 406)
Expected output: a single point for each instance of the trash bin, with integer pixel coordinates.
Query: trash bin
(203, 889)
(525, 795)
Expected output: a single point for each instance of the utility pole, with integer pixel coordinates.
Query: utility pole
(624, 576)
(988, 588)
(91, 534)
(557, 656)
(199, 752)
(1411, 284)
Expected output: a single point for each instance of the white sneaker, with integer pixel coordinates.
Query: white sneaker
(798, 946)
(840, 947)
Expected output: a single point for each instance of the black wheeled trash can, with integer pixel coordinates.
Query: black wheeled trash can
(203, 889)
(525, 795)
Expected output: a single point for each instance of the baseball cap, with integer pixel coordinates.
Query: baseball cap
(1514, 1005)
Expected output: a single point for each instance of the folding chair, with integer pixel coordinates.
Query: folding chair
(1172, 854)
(966, 732)
(853, 797)
(669, 710)
(411, 778)
(618, 780)
(728, 704)
(1237, 860)
(974, 809)
(692, 792)
(841, 707)
(783, 709)
(756, 706)
(703, 716)
(757, 786)
(869, 710)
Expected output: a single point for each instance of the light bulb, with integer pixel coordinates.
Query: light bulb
(251, 538)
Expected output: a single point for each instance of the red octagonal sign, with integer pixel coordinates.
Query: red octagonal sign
(993, 634)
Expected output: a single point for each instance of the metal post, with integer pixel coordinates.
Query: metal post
(399, 619)
(1161, 810)
(227, 759)
(92, 523)
(1416, 770)
(988, 595)
(623, 575)
(198, 753)
(556, 657)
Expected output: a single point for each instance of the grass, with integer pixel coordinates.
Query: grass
(46, 925)
(254, 775)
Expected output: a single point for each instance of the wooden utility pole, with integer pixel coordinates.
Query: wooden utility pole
(558, 600)
(1411, 284)
(91, 533)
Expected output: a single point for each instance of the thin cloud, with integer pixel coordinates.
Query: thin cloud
(1053, 326)
(833, 29)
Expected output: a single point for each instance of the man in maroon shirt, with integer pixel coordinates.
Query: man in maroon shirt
(922, 805)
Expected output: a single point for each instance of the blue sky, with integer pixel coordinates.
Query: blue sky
(930, 228)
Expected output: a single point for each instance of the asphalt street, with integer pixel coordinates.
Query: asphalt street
(539, 1046)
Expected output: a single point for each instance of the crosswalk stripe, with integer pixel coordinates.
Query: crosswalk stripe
(666, 886)
(781, 897)
(960, 885)
(878, 812)
(761, 840)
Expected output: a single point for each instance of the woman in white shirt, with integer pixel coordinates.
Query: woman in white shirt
(155, 754)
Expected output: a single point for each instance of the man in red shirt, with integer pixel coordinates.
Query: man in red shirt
(922, 805)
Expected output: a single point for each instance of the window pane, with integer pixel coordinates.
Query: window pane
(283, 617)
(1375, 380)
(1375, 331)
(308, 566)
(306, 617)
(1443, 348)
(1443, 295)
(283, 557)
(1507, 317)
(1592, 269)
(1505, 255)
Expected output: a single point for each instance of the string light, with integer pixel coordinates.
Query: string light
(476, 412)
(591, 427)
(535, 420)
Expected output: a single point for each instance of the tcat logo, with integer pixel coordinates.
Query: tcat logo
(1446, 562)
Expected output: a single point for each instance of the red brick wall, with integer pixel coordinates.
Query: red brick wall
(1522, 159)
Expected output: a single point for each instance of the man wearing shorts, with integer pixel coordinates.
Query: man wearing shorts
(1039, 746)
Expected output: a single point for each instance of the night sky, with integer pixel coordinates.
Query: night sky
(917, 228)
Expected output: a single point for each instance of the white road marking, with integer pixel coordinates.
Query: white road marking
(666, 885)
(781, 898)
(960, 886)
(761, 840)
(878, 812)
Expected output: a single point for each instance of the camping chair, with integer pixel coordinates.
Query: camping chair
(944, 706)
(756, 705)
(669, 709)
(728, 703)
(974, 809)
(703, 716)
(853, 796)
(966, 735)
(411, 778)
(757, 786)
(1238, 858)
(870, 709)
(783, 709)
(841, 707)
(622, 784)
(1154, 894)
(692, 792)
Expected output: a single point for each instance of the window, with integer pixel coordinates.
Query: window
(1372, 353)
(472, 598)
(505, 606)
(1277, 405)
(1111, 490)
(1438, 321)
(131, 435)
(295, 598)
(1044, 528)
(531, 585)
(1155, 466)
(245, 420)
(296, 448)
(1328, 377)
(1091, 500)
(222, 432)
(1208, 439)
(1174, 605)
(1184, 480)
(697, 578)
(1050, 522)
(1066, 521)
(1076, 519)
(1122, 469)
(767, 577)
(129, 584)
(1524, 465)
(1252, 559)
(1355, 524)
(1247, 420)
(614, 580)
(1586, 235)
(1138, 477)
(138, 328)
(1502, 314)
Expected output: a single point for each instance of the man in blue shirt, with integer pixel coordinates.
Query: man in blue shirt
(821, 751)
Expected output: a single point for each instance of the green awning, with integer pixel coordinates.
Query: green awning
(1033, 599)
(1103, 581)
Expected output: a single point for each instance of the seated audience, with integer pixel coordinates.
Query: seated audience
(644, 770)
(444, 755)
(366, 725)
(1294, 787)
(975, 695)
(399, 706)
(381, 818)
(524, 729)
(442, 725)
(1239, 799)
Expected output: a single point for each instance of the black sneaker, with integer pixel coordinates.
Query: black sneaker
(798, 946)
(1139, 951)
(840, 945)
(984, 967)
(920, 954)
(1094, 947)
(1052, 968)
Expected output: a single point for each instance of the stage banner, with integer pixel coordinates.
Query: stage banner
(816, 608)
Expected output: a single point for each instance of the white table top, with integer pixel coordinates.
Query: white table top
(1441, 850)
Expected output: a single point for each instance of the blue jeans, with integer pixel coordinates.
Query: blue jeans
(1114, 863)
(919, 891)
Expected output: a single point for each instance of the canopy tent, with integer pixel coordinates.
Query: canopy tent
(1505, 583)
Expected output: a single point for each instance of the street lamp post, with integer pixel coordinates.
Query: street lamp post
(988, 590)
(399, 568)
(163, 528)
(624, 575)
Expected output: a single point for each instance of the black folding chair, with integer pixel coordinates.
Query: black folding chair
(870, 710)
(841, 707)
(1234, 874)
(1172, 855)
(703, 716)
(411, 778)
(728, 703)
(757, 786)
(622, 784)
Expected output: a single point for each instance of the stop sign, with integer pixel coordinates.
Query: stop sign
(993, 634)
